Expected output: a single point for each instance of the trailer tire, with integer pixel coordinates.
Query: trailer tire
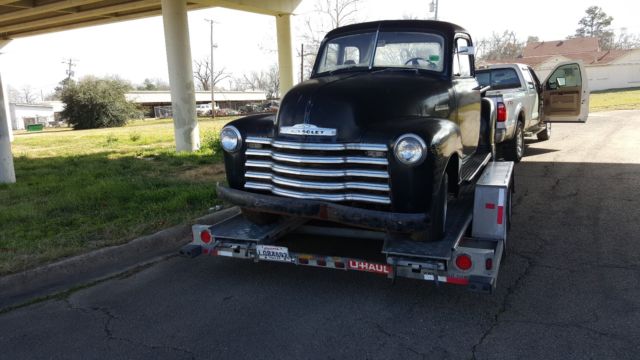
(513, 150)
(438, 213)
(259, 218)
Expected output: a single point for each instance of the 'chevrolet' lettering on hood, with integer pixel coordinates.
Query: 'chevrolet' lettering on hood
(307, 129)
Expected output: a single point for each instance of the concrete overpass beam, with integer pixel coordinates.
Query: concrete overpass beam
(285, 52)
(183, 100)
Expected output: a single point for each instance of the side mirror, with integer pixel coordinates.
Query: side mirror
(531, 85)
(561, 81)
(466, 50)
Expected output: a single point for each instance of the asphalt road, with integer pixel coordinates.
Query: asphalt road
(570, 287)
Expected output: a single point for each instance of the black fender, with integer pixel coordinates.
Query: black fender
(261, 125)
(413, 187)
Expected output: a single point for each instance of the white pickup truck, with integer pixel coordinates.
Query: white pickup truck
(523, 102)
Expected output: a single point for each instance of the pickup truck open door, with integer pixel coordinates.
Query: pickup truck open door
(565, 93)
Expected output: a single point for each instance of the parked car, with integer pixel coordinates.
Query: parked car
(519, 98)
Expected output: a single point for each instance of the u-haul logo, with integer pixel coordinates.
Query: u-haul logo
(370, 267)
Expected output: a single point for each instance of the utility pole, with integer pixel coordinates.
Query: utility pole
(301, 62)
(213, 103)
(70, 64)
(433, 7)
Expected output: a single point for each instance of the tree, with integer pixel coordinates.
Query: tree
(14, 95)
(153, 85)
(267, 81)
(202, 74)
(327, 15)
(27, 95)
(500, 46)
(596, 23)
(96, 103)
(625, 41)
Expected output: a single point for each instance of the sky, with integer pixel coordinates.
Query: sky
(246, 42)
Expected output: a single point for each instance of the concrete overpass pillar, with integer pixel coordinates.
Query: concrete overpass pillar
(285, 52)
(7, 172)
(183, 99)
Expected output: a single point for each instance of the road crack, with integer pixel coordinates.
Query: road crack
(109, 317)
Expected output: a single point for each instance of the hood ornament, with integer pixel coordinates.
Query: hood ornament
(307, 129)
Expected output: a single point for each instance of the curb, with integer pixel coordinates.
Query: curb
(16, 289)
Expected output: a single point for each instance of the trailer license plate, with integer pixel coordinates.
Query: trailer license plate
(273, 253)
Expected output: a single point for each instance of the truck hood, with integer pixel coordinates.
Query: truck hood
(354, 104)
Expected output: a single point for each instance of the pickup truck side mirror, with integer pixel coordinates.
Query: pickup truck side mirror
(466, 50)
(561, 81)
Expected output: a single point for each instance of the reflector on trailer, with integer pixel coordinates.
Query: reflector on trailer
(488, 264)
(463, 262)
(205, 236)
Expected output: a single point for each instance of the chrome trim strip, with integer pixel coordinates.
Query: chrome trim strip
(328, 197)
(313, 146)
(301, 159)
(348, 185)
(283, 169)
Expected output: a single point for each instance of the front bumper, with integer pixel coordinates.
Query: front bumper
(323, 210)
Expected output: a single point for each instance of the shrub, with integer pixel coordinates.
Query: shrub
(134, 136)
(212, 142)
(97, 103)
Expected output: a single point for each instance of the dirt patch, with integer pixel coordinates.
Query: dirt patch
(213, 173)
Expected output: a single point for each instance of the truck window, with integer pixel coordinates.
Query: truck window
(393, 49)
(565, 76)
(499, 79)
(408, 49)
(528, 79)
(346, 52)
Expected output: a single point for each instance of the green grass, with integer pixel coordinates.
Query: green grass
(81, 190)
(624, 99)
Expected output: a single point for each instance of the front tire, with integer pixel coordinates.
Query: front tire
(514, 149)
(438, 213)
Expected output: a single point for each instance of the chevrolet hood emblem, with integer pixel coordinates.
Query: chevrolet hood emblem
(307, 129)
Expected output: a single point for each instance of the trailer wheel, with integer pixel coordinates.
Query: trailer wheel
(513, 150)
(259, 218)
(438, 213)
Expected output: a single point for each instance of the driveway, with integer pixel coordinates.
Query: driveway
(569, 289)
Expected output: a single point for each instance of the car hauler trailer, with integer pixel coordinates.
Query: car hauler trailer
(469, 254)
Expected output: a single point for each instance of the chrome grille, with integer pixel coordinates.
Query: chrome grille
(331, 172)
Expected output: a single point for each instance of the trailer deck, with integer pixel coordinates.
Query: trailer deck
(461, 257)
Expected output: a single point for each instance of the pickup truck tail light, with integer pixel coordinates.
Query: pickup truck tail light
(502, 112)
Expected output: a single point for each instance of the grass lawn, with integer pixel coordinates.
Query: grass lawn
(81, 190)
(615, 100)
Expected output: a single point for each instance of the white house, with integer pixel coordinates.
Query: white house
(28, 114)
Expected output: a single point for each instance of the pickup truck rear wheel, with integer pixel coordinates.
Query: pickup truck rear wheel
(514, 149)
(438, 212)
(545, 134)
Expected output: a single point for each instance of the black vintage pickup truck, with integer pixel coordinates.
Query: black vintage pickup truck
(389, 126)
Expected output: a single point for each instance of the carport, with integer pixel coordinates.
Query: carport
(22, 18)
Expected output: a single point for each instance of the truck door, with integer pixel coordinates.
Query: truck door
(565, 94)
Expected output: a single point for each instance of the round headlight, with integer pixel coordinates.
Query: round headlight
(410, 149)
(230, 139)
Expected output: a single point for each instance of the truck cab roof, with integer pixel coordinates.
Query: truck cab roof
(446, 28)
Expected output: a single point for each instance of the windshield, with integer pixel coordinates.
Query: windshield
(499, 79)
(393, 49)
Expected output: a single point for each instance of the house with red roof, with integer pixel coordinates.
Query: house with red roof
(611, 69)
